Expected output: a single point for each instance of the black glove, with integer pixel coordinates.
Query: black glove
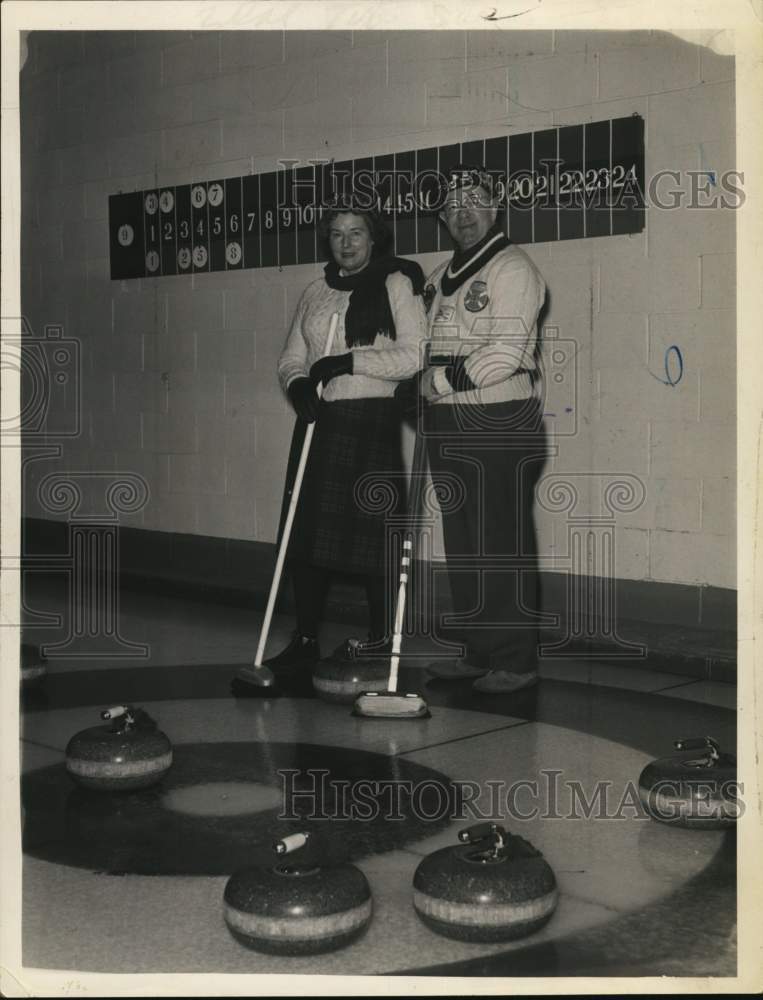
(303, 398)
(456, 375)
(329, 367)
(407, 393)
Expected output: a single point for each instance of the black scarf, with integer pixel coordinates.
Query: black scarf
(473, 259)
(369, 313)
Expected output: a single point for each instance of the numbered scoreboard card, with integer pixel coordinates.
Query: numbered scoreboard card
(568, 182)
(400, 195)
(571, 184)
(152, 230)
(306, 212)
(250, 220)
(287, 219)
(184, 224)
(627, 175)
(520, 187)
(199, 228)
(427, 191)
(268, 210)
(168, 231)
(234, 249)
(126, 235)
(216, 203)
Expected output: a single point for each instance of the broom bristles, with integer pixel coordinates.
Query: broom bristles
(390, 705)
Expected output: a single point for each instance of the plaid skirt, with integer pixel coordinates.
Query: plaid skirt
(354, 480)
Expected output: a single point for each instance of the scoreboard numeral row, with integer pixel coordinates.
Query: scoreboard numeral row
(568, 182)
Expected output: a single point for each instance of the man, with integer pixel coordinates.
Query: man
(484, 436)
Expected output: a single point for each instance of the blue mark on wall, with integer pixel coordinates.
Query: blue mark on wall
(674, 367)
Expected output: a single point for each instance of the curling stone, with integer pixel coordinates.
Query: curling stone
(494, 886)
(350, 672)
(696, 789)
(33, 668)
(130, 753)
(297, 907)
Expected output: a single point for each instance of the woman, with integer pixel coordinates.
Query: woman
(358, 430)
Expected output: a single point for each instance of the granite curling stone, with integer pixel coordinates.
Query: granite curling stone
(297, 907)
(494, 886)
(696, 789)
(128, 754)
(33, 667)
(350, 671)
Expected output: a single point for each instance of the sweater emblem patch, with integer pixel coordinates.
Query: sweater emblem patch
(476, 298)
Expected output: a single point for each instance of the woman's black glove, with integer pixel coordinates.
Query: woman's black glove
(456, 375)
(407, 393)
(329, 367)
(303, 398)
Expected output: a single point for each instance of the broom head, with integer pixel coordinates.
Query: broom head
(390, 705)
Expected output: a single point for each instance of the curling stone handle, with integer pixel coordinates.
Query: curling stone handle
(114, 713)
(481, 831)
(291, 843)
(699, 743)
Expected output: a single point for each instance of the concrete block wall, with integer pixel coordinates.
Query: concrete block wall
(178, 374)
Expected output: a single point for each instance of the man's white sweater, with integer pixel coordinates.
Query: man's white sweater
(491, 321)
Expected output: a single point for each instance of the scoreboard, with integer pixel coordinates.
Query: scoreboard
(567, 182)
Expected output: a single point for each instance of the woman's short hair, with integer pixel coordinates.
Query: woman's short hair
(381, 237)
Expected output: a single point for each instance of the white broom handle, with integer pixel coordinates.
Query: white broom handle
(397, 636)
(414, 501)
(292, 510)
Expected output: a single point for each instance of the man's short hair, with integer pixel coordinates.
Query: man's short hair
(469, 175)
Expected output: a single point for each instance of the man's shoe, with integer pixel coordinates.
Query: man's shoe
(505, 682)
(301, 651)
(454, 670)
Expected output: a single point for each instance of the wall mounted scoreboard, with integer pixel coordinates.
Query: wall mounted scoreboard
(567, 182)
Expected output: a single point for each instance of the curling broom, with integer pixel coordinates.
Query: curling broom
(391, 704)
(258, 675)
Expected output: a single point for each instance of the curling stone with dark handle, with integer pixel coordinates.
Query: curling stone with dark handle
(297, 907)
(348, 673)
(696, 789)
(494, 886)
(128, 754)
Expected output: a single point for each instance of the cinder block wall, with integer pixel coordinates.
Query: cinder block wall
(178, 373)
